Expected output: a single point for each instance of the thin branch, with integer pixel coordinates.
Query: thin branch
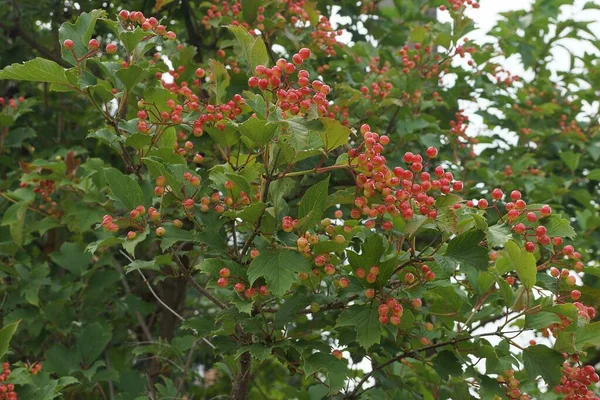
(195, 284)
(159, 299)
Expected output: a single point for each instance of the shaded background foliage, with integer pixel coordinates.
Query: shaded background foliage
(62, 307)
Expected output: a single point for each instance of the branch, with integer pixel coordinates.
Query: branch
(412, 353)
(159, 299)
(196, 286)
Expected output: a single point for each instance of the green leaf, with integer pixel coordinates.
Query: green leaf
(464, 250)
(570, 159)
(221, 80)
(131, 76)
(541, 320)
(106, 242)
(594, 175)
(259, 132)
(498, 235)
(125, 189)
(72, 257)
(558, 226)
(16, 136)
(312, 205)
(365, 321)
(335, 370)
(542, 361)
(512, 258)
(333, 133)
(80, 33)
(92, 340)
(6, 333)
(157, 168)
(14, 218)
(36, 70)
(253, 48)
(131, 39)
(418, 34)
(174, 235)
(587, 336)
(280, 269)
(61, 360)
(129, 245)
(249, 214)
(202, 326)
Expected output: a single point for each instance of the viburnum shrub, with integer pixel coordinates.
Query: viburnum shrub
(261, 210)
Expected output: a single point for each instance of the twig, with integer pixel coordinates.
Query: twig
(195, 284)
(159, 299)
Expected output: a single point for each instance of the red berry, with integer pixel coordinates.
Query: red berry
(224, 272)
(497, 194)
(575, 295)
(93, 44)
(68, 44)
(432, 152)
(222, 282)
(304, 53)
(530, 247)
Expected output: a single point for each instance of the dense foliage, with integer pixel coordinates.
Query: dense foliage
(252, 199)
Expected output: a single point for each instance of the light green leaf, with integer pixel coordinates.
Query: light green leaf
(6, 333)
(124, 189)
(131, 76)
(253, 48)
(570, 159)
(221, 80)
(259, 132)
(594, 175)
(417, 34)
(131, 39)
(558, 226)
(80, 33)
(36, 70)
(365, 320)
(14, 218)
(333, 133)
(280, 269)
(512, 258)
(313, 204)
(129, 245)
(498, 235)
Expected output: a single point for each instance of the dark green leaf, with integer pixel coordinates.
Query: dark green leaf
(279, 269)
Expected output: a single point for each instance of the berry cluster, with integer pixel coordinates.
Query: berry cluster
(7, 390)
(456, 5)
(586, 312)
(132, 20)
(325, 37)
(402, 190)
(10, 103)
(240, 286)
(391, 311)
(295, 97)
(576, 379)
(420, 58)
(153, 121)
(511, 385)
